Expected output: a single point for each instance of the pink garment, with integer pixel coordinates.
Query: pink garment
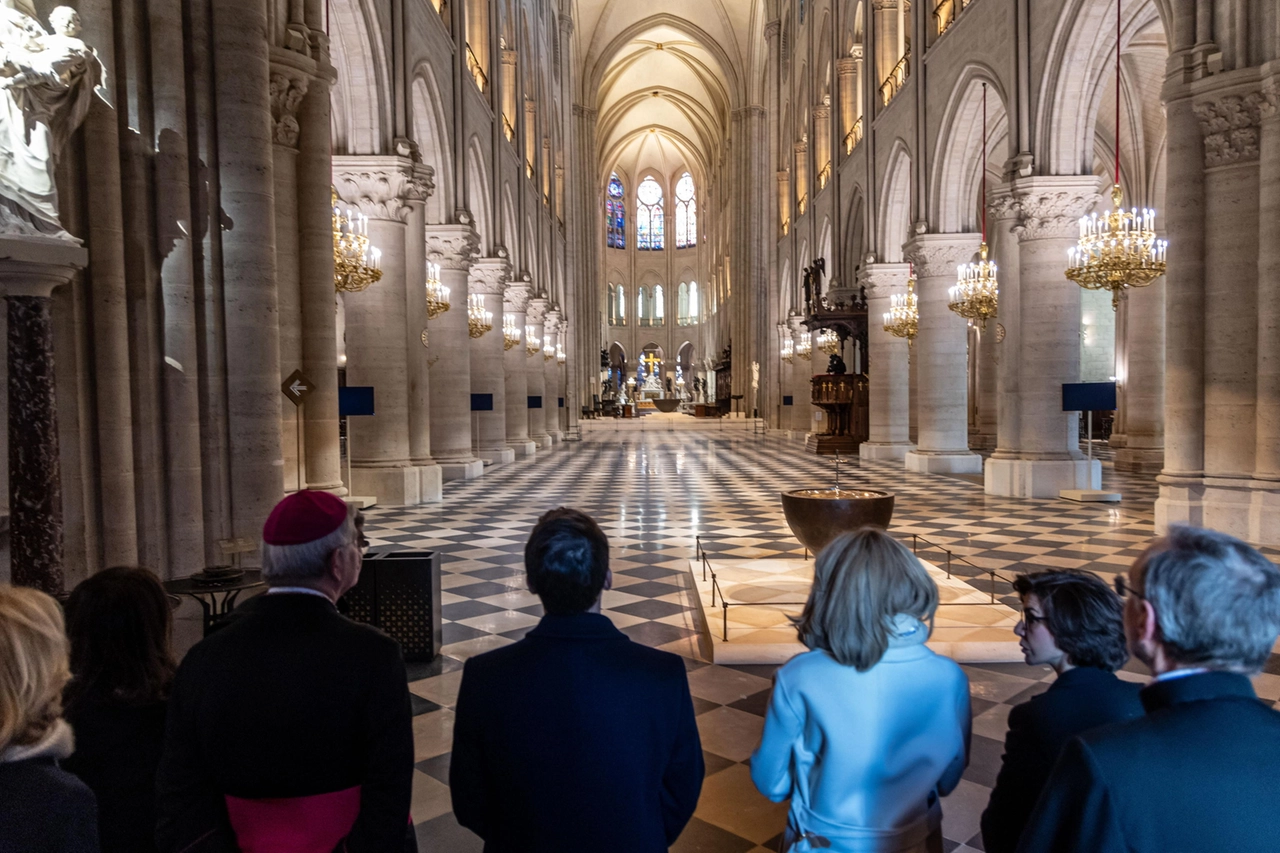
(312, 824)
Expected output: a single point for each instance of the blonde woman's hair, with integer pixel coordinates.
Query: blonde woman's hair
(33, 665)
(861, 581)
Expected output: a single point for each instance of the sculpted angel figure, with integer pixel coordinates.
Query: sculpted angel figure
(47, 81)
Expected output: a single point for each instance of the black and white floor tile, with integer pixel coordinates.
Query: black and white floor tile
(656, 493)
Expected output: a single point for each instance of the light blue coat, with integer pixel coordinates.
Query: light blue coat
(864, 756)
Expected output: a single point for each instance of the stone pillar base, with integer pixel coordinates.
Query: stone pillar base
(1248, 509)
(523, 448)
(885, 450)
(431, 483)
(957, 462)
(469, 470)
(556, 436)
(981, 441)
(498, 456)
(391, 486)
(542, 440)
(1137, 460)
(1040, 478)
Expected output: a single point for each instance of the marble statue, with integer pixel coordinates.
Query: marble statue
(47, 81)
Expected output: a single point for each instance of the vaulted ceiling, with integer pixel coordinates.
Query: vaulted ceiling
(664, 76)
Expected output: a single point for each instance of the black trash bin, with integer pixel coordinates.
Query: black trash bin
(399, 593)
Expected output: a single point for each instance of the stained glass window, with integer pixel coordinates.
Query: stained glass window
(686, 213)
(622, 305)
(693, 302)
(682, 305)
(615, 215)
(659, 305)
(649, 215)
(642, 310)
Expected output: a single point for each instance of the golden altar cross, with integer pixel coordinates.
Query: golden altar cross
(652, 363)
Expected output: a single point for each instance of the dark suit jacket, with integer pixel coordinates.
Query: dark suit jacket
(44, 809)
(575, 738)
(117, 751)
(1197, 773)
(290, 699)
(1079, 700)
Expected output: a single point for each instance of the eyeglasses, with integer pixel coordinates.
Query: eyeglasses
(1029, 618)
(1124, 589)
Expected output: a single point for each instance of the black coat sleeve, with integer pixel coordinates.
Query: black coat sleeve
(1022, 776)
(1075, 812)
(466, 764)
(387, 788)
(682, 781)
(191, 815)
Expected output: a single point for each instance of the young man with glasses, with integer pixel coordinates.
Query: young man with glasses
(1198, 770)
(1073, 623)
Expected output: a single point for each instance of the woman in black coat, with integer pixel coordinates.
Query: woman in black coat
(43, 808)
(119, 623)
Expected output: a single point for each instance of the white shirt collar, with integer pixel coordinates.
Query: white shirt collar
(1180, 673)
(306, 590)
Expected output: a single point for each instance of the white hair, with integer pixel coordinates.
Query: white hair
(306, 563)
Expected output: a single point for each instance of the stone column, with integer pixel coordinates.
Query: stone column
(515, 305)
(319, 308)
(1046, 457)
(28, 275)
(1142, 382)
(244, 130)
(537, 375)
(984, 436)
(886, 38)
(416, 340)
(1265, 511)
(822, 145)
(1181, 483)
(943, 440)
(553, 329)
(289, 85)
(888, 365)
(846, 77)
(489, 278)
(454, 248)
(381, 188)
(1007, 338)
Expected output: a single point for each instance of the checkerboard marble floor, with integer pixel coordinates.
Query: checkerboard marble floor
(654, 493)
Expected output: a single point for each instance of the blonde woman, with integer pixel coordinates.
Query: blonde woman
(43, 809)
(869, 728)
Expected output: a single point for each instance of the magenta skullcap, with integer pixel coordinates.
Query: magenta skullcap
(303, 517)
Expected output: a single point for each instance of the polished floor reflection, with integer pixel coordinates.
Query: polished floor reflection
(654, 492)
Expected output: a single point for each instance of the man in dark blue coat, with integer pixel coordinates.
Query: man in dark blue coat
(1073, 622)
(574, 738)
(1198, 771)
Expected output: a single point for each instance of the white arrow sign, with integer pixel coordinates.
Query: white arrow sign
(297, 387)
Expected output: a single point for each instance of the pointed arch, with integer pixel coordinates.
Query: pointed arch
(430, 131)
(958, 157)
(478, 196)
(894, 221)
(360, 99)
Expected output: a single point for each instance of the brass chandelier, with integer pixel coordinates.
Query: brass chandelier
(437, 293)
(510, 332)
(829, 341)
(356, 264)
(804, 349)
(788, 350)
(561, 358)
(976, 293)
(902, 320)
(479, 321)
(548, 351)
(532, 343)
(1118, 250)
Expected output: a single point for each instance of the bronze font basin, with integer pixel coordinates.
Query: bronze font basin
(667, 406)
(817, 516)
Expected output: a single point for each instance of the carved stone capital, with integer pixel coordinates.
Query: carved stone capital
(1048, 208)
(1270, 106)
(884, 5)
(772, 29)
(938, 255)
(847, 65)
(288, 86)
(1231, 125)
(537, 311)
(489, 276)
(884, 280)
(453, 247)
(515, 299)
(382, 187)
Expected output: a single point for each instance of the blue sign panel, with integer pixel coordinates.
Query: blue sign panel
(561, 399)
(355, 400)
(788, 400)
(1088, 396)
(535, 402)
(482, 402)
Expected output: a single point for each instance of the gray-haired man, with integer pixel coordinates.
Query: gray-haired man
(1198, 772)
